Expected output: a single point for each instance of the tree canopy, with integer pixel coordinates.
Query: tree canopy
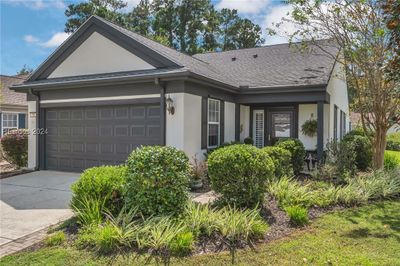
(186, 25)
(369, 46)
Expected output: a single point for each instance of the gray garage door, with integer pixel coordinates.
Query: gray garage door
(79, 138)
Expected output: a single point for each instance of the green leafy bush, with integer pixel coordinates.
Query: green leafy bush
(248, 140)
(363, 150)
(104, 182)
(341, 159)
(282, 160)
(393, 142)
(239, 173)
(298, 215)
(15, 147)
(55, 239)
(297, 151)
(158, 180)
(391, 159)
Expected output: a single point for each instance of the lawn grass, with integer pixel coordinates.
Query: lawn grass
(369, 235)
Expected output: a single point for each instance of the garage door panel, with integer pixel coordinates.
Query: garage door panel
(79, 138)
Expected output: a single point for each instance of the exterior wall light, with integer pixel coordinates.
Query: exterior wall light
(170, 105)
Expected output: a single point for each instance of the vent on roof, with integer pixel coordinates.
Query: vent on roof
(255, 55)
(233, 58)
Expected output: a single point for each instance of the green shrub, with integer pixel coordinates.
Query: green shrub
(15, 147)
(393, 142)
(341, 158)
(362, 149)
(239, 173)
(297, 151)
(248, 140)
(391, 160)
(158, 179)
(104, 182)
(55, 239)
(282, 160)
(298, 215)
(89, 210)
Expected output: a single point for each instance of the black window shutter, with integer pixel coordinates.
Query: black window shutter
(21, 120)
(222, 123)
(204, 107)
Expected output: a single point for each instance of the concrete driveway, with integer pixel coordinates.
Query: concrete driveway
(33, 201)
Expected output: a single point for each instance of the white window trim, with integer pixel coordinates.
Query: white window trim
(2, 121)
(213, 123)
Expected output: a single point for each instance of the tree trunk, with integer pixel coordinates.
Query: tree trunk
(379, 147)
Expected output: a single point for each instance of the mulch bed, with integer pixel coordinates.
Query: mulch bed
(8, 170)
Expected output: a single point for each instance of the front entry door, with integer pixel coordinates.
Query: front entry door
(258, 128)
(273, 123)
(280, 124)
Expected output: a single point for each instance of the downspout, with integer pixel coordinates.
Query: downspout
(163, 121)
(37, 96)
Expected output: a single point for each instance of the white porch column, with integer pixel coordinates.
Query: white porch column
(32, 138)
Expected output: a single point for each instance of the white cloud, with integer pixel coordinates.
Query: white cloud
(274, 16)
(30, 39)
(57, 39)
(38, 4)
(244, 6)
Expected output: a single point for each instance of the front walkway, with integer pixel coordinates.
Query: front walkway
(32, 202)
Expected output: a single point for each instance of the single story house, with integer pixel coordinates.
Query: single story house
(13, 105)
(107, 90)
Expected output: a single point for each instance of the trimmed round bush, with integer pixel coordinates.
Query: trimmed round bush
(282, 160)
(15, 147)
(297, 151)
(158, 180)
(363, 150)
(393, 142)
(100, 183)
(240, 173)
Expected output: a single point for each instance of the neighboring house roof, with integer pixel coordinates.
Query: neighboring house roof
(275, 65)
(9, 97)
(263, 67)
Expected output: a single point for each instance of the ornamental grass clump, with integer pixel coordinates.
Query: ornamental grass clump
(157, 182)
(238, 228)
(298, 215)
(239, 173)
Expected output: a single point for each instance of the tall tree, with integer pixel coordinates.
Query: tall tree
(25, 70)
(229, 21)
(164, 20)
(391, 12)
(77, 14)
(248, 34)
(358, 28)
(211, 30)
(139, 18)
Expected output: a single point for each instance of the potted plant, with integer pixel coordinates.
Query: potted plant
(197, 174)
(309, 128)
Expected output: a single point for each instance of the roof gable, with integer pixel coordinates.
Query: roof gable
(96, 55)
(92, 25)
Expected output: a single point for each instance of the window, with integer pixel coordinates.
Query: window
(9, 122)
(335, 123)
(342, 124)
(213, 122)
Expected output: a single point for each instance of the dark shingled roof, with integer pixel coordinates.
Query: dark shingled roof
(275, 65)
(11, 97)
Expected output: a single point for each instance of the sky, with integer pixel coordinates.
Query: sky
(31, 30)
